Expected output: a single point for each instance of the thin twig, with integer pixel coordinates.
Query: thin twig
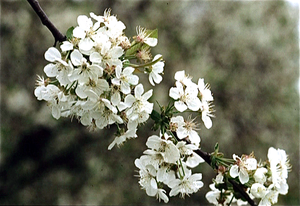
(58, 36)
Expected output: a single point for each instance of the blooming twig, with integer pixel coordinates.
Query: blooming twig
(58, 36)
(207, 158)
(93, 79)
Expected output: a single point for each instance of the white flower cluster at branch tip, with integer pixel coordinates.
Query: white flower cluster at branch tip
(165, 163)
(264, 180)
(92, 78)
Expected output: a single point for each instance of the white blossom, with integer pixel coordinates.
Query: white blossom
(204, 90)
(84, 71)
(260, 175)
(206, 114)
(147, 176)
(190, 183)
(85, 31)
(125, 79)
(58, 68)
(139, 108)
(187, 97)
(185, 80)
(156, 70)
(113, 27)
(241, 168)
(270, 197)
(167, 148)
(144, 37)
(258, 190)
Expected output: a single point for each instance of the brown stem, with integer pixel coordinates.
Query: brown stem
(58, 36)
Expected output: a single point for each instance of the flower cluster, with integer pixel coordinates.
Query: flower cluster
(92, 78)
(195, 97)
(263, 180)
(167, 163)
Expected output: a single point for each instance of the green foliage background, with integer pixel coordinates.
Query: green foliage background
(247, 50)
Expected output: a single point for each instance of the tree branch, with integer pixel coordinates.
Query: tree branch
(207, 158)
(58, 36)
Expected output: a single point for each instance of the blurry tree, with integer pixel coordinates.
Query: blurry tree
(247, 50)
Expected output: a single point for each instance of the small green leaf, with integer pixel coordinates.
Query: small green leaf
(133, 49)
(217, 148)
(153, 33)
(70, 33)
(155, 116)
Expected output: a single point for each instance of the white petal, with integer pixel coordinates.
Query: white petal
(151, 80)
(116, 81)
(86, 44)
(158, 67)
(80, 91)
(154, 142)
(243, 176)
(84, 22)
(151, 41)
(148, 94)
(161, 195)
(52, 54)
(51, 70)
(157, 56)
(194, 104)
(55, 112)
(79, 32)
(174, 191)
(115, 98)
(234, 171)
(156, 77)
(171, 154)
(125, 88)
(174, 93)
(129, 100)
(179, 75)
(128, 70)
(95, 57)
(207, 121)
(66, 46)
(180, 106)
(138, 91)
(151, 189)
(76, 57)
(116, 52)
(133, 79)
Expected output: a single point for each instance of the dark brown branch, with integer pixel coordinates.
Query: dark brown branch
(207, 158)
(238, 188)
(58, 36)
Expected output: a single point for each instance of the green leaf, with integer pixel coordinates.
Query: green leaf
(133, 49)
(155, 116)
(152, 33)
(70, 33)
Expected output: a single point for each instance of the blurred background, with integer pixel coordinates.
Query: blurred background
(247, 51)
